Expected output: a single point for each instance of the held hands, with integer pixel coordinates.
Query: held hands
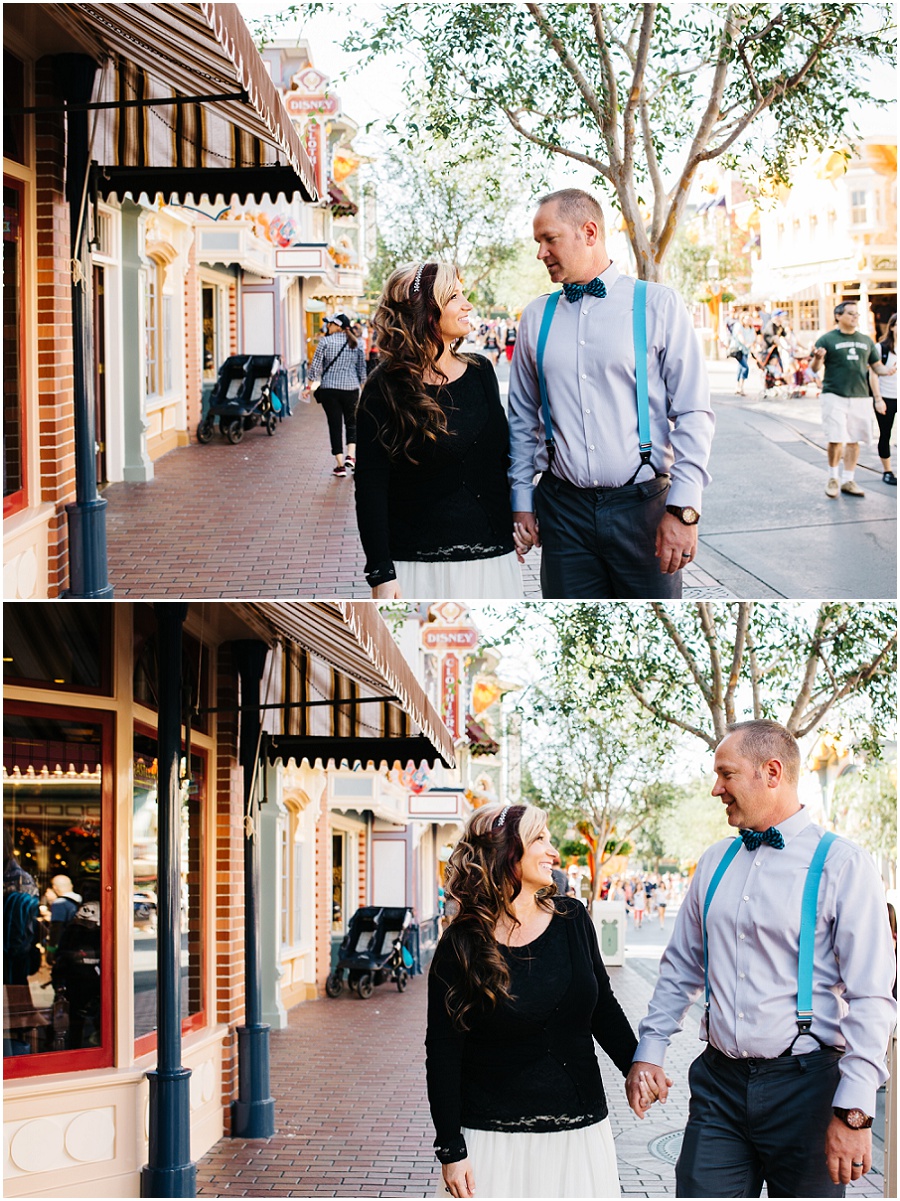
(459, 1179)
(526, 533)
(676, 544)
(646, 1083)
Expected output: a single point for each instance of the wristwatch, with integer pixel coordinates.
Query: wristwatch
(686, 515)
(854, 1118)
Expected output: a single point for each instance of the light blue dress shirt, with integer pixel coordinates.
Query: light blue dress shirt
(753, 928)
(589, 368)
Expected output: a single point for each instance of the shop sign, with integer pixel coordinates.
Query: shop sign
(450, 674)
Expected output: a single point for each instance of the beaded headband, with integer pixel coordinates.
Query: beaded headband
(418, 278)
(502, 818)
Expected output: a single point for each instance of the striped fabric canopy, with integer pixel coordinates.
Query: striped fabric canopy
(244, 145)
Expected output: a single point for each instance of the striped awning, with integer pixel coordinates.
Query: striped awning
(241, 143)
(347, 686)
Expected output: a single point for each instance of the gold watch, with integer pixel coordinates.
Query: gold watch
(686, 515)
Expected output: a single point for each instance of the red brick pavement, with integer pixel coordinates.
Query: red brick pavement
(264, 518)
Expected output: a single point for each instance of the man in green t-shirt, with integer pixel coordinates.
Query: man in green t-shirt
(852, 363)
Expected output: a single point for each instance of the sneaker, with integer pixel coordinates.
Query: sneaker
(339, 472)
(851, 488)
(832, 487)
(350, 463)
(889, 478)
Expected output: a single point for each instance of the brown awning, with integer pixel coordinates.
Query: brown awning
(342, 652)
(341, 204)
(244, 145)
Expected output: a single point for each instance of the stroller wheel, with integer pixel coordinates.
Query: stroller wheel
(235, 431)
(365, 986)
(334, 985)
(205, 430)
(271, 422)
(402, 980)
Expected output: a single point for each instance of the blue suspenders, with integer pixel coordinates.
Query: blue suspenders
(639, 329)
(808, 910)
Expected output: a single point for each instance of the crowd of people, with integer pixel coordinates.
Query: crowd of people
(601, 456)
(783, 1093)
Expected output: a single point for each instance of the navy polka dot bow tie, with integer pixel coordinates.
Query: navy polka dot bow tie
(575, 292)
(753, 839)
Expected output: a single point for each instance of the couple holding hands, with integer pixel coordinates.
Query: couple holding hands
(608, 402)
(783, 933)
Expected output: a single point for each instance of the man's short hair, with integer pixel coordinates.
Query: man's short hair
(763, 740)
(575, 207)
(839, 308)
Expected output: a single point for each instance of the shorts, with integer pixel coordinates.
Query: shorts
(846, 418)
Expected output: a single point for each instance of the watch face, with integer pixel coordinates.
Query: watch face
(690, 516)
(857, 1119)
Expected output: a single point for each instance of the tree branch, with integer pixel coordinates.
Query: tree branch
(562, 53)
(596, 163)
(708, 626)
(671, 719)
(684, 650)
(745, 609)
(607, 71)
(637, 84)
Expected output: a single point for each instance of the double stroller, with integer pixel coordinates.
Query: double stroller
(245, 395)
(375, 949)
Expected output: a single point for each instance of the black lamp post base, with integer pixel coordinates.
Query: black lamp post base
(87, 551)
(169, 1182)
(170, 1172)
(253, 1113)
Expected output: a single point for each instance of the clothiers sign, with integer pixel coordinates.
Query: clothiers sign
(449, 638)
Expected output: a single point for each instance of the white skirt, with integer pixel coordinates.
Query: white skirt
(498, 578)
(562, 1163)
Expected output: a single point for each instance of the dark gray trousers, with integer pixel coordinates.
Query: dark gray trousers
(756, 1120)
(600, 543)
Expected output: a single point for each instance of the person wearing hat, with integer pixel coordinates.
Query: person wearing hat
(339, 367)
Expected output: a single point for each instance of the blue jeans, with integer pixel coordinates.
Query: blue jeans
(743, 367)
(600, 543)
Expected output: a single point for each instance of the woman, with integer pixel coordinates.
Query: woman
(339, 365)
(432, 496)
(510, 342)
(887, 385)
(743, 337)
(517, 992)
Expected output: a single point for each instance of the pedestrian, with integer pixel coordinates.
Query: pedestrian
(885, 418)
(784, 1092)
(492, 346)
(852, 365)
(62, 910)
(743, 339)
(517, 992)
(662, 901)
(640, 904)
(510, 342)
(339, 367)
(432, 497)
(623, 438)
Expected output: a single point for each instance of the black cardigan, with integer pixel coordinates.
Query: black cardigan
(454, 504)
(530, 1065)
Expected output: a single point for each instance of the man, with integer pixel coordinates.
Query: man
(852, 362)
(609, 525)
(768, 1101)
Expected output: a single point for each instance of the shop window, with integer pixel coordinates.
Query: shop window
(13, 98)
(212, 353)
(152, 331)
(57, 890)
(145, 888)
(285, 886)
(14, 448)
(194, 667)
(338, 900)
(64, 646)
(859, 208)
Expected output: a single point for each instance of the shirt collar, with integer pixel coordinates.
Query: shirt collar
(609, 277)
(795, 824)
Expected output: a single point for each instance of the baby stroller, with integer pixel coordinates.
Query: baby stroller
(374, 949)
(775, 379)
(244, 396)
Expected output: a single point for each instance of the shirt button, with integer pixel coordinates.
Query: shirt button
(583, 376)
(596, 483)
(582, 343)
(744, 1053)
(758, 863)
(741, 974)
(740, 1015)
(746, 898)
(741, 937)
(591, 447)
(587, 411)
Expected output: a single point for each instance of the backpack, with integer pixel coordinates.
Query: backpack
(20, 915)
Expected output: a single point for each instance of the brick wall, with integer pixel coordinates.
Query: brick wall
(229, 881)
(55, 377)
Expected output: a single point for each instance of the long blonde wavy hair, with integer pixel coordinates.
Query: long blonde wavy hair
(409, 340)
(484, 877)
